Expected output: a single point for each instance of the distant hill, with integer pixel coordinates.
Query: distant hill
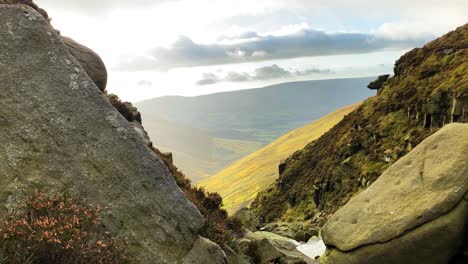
(195, 151)
(207, 133)
(239, 183)
(428, 90)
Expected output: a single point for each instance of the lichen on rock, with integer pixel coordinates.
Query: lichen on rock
(57, 139)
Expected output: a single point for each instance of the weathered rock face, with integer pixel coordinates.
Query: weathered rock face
(28, 3)
(298, 231)
(416, 212)
(205, 251)
(377, 84)
(233, 257)
(248, 219)
(89, 60)
(59, 134)
(271, 248)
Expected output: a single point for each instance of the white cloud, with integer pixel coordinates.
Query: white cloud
(264, 73)
(236, 54)
(145, 83)
(259, 54)
(123, 31)
(271, 72)
(237, 77)
(306, 43)
(207, 79)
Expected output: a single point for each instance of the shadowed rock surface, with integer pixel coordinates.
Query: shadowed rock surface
(60, 134)
(415, 211)
(377, 84)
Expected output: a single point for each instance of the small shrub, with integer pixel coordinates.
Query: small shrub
(125, 108)
(57, 229)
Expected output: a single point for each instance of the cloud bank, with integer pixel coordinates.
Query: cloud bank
(255, 47)
(265, 73)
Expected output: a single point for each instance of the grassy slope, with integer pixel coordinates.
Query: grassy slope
(224, 152)
(195, 151)
(208, 133)
(322, 177)
(239, 183)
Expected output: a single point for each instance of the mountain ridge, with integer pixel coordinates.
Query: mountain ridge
(200, 131)
(249, 89)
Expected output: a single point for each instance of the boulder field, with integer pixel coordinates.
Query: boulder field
(60, 134)
(416, 212)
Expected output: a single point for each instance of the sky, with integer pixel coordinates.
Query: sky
(191, 47)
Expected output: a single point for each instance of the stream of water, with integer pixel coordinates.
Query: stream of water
(314, 247)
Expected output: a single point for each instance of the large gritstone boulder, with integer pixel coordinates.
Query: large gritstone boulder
(90, 61)
(416, 212)
(60, 134)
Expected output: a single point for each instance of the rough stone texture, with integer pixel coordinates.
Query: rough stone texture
(134, 111)
(233, 257)
(298, 231)
(142, 133)
(435, 242)
(205, 251)
(248, 219)
(89, 60)
(26, 2)
(272, 248)
(377, 84)
(412, 194)
(59, 133)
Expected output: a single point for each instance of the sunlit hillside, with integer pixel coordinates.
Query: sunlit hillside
(239, 183)
(208, 133)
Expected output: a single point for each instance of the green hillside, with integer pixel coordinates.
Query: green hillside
(207, 133)
(429, 89)
(239, 183)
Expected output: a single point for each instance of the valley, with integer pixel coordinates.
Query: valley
(240, 182)
(318, 165)
(207, 133)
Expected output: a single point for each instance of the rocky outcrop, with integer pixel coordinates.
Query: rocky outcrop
(28, 3)
(131, 113)
(281, 167)
(60, 134)
(142, 133)
(416, 212)
(205, 251)
(248, 219)
(265, 247)
(377, 84)
(298, 231)
(459, 110)
(233, 257)
(89, 60)
(427, 91)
